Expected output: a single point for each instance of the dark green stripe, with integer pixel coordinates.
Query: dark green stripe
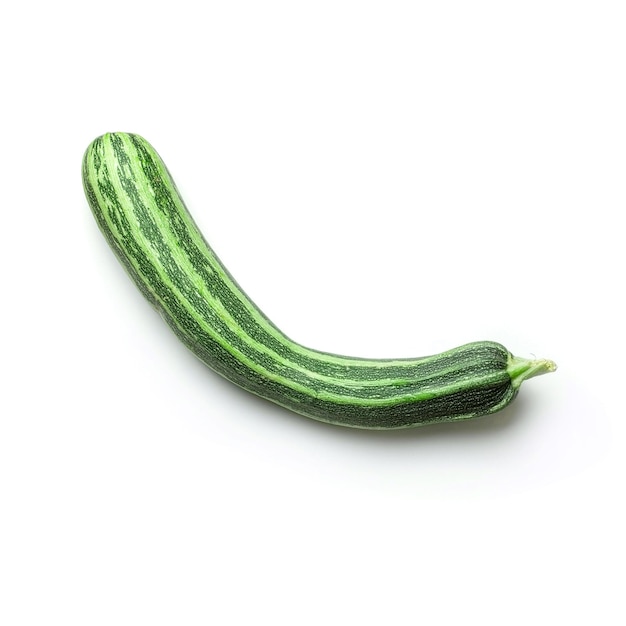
(356, 369)
(467, 381)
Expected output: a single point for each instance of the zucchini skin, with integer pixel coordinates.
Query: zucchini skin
(142, 216)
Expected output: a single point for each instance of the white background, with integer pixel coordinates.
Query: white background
(383, 179)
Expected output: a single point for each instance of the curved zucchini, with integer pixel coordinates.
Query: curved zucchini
(146, 223)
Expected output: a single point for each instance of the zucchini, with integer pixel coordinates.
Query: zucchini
(141, 214)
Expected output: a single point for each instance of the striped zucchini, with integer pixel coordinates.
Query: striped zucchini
(139, 211)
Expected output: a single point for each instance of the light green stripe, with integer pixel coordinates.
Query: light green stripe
(261, 320)
(166, 279)
(188, 269)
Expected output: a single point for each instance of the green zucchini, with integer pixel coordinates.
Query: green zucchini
(140, 212)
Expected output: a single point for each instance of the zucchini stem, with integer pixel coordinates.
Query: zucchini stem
(520, 369)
